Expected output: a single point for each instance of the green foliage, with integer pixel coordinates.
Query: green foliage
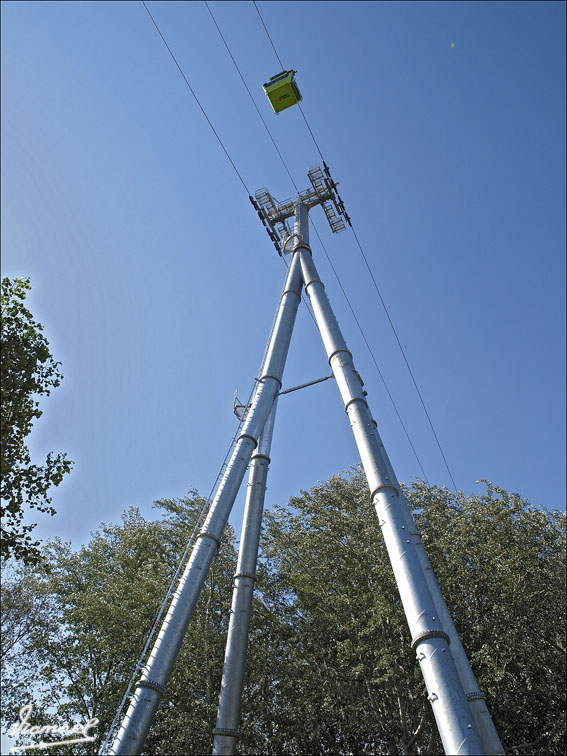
(329, 666)
(99, 605)
(351, 683)
(23, 605)
(501, 565)
(28, 372)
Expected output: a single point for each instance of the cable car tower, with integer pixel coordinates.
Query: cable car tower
(463, 721)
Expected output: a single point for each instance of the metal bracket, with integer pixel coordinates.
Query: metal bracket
(325, 189)
(269, 213)
(339, 204)
(239, 409)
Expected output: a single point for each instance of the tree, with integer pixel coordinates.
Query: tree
(501, 565)
(98, 605)
(23, 606)
(350, 683)
(329, 667)
(28, 372)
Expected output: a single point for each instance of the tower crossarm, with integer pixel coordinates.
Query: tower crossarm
(323, 191)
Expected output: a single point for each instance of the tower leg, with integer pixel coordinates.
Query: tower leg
(454, 720)
(476, 700)
(149, 690)
(226, 729)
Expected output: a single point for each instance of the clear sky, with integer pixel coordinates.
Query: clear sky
(157, 284)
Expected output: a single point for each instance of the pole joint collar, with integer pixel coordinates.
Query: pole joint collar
(251, 575)
(338, 351)
(314, 281)
(292, 291)
(381, 488)
(274, 377)
(429, 634)
(204, 534)
(226, 731)
(356, 399)
(476, 695)
(151, 685)
(260, 456)
(247, 435)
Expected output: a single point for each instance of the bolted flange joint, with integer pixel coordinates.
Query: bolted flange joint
(429, 634)
(226, 731)
(476, 695)
(151, 685)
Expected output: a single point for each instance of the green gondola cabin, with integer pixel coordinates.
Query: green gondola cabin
(282, 91)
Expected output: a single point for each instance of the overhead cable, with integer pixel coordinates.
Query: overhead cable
(268, 35)
(291, 177)
(249, 92)
(405, 358)
(372, 277)
(314, 226)
(373, 357)
(205, 114)
(196, 98)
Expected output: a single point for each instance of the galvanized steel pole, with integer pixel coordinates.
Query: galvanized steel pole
(463, 721)
(136, 723)
(226, 729)
(429, 639)
(475, 697)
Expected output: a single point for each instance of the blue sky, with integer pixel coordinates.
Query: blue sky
(157, 284)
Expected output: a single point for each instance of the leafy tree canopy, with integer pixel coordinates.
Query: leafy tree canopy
(329, 665)
(28, 372)
(73, 656)
(501, 566)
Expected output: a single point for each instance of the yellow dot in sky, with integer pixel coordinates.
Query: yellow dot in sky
(452, 44)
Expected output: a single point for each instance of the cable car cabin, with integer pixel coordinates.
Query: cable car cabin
(282, 91)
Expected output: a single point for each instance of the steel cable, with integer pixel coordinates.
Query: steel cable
(314, 226)
(318, 235)
(405, 358)
(373, 281)
(196, 98)
(373, 357)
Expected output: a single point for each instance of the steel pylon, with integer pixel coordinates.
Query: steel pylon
(463, 721)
